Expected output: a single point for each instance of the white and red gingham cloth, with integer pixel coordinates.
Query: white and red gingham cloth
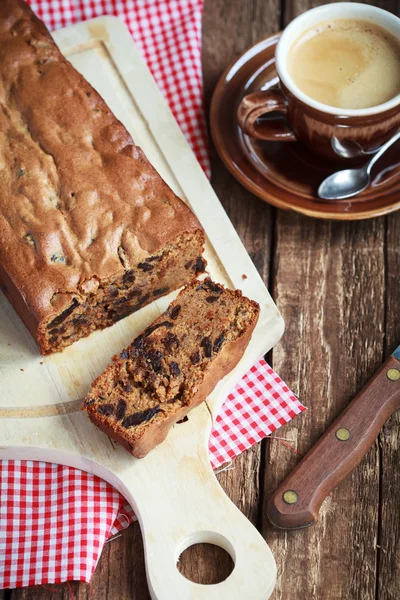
(55, 520)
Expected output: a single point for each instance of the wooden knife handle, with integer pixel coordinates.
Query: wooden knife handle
(297, 500)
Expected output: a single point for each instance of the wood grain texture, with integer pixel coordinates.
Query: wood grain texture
(338, 287)
(329, 284)
(388, 548)
(228, 29)
(330, 287)
(251, 218)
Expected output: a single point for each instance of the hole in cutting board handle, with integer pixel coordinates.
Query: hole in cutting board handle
(205, 563)
(207, 558)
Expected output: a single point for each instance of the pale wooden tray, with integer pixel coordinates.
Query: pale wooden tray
(173, 490)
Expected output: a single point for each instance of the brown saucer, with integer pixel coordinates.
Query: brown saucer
(286, 174)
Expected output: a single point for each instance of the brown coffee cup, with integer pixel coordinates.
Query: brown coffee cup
(331, 133)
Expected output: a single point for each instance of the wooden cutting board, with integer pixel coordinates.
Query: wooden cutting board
(173, 490)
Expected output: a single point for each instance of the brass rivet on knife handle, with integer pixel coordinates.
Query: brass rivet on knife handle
(393, 374)
(343, 434)
(290, 497)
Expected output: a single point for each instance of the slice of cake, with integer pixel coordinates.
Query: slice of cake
(172, 366)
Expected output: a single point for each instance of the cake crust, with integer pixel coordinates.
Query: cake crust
(79, 202)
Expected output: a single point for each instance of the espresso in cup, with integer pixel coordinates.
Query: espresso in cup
(338, 70)
(346, 63)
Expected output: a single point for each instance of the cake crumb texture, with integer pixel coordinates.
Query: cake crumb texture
(172, 366)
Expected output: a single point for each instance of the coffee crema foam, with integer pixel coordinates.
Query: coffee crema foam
(346, 63)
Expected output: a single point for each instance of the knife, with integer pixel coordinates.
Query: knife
(297, 500)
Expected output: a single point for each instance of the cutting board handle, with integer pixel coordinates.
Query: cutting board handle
(174, 517)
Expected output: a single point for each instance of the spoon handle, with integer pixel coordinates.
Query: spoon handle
(382, 150)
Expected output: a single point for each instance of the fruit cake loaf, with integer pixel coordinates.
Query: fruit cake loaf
(172, 366)
(89, 232)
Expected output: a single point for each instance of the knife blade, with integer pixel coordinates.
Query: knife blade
(297, 500)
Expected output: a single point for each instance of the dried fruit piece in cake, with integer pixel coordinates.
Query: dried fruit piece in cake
(172, 366)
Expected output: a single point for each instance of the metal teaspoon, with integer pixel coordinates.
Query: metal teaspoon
(350, 182)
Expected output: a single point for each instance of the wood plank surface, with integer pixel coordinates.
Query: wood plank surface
(329, 284)
(338, 288)
(329, 277)
(388, 586)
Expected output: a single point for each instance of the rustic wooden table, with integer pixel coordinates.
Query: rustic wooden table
(338, 288)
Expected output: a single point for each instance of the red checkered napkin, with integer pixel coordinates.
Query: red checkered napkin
(54, 520)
